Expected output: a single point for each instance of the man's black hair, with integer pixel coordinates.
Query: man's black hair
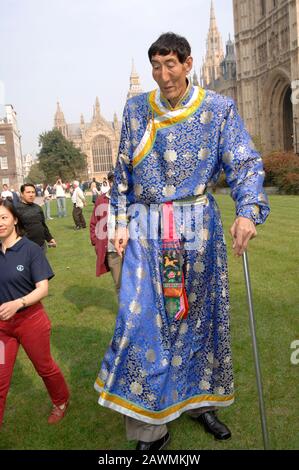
(27, 185)
(170, 42)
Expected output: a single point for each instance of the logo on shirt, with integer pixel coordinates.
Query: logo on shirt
(20, 267)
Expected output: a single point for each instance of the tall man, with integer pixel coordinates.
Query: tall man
(170, 352)
(32, 218)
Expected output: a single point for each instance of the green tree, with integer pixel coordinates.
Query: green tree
(35, 175)
(59, 157)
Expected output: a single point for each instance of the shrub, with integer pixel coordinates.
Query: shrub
(282, 170)
(290, 183)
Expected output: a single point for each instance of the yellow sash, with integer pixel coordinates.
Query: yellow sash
(163, 118)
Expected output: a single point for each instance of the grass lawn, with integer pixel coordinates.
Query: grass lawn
(83, 310)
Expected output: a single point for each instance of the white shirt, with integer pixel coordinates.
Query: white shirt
(59, 190)
(78, 197)
(47, 195)
(93, 188)
(6, 194)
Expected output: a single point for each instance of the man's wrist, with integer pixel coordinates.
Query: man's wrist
(246, 217)
(22, 303)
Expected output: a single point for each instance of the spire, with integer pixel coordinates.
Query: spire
(59, 116)
(211, 69)
(58, 109)
(96, 109)
(229, 42)
(82, 124)
(212, 16)
(115, 122)
(133, 71)
(230, 50)
(135, 86)
(229, 63)
(59, 120)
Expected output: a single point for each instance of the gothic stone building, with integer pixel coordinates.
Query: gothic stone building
(218, 71)
(260, 69)
(98, 139)
(267, 50)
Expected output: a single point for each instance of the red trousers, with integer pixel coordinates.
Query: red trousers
(31, 328)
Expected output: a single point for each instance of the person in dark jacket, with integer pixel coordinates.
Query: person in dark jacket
(32, 218)
(101, 232)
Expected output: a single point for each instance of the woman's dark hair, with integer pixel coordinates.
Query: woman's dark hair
(8, 204)
(170, 42)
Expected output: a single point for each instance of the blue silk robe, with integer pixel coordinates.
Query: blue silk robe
(157, 367)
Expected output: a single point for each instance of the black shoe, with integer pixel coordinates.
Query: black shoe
(212, 425)
(155, 445)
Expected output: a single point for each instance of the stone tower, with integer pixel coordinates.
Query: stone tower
(211, 69)
(135, 87)
(96, 110)
(228, 65)
(226, 83)
(59, 121)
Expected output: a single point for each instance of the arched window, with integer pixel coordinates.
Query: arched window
(102, 154)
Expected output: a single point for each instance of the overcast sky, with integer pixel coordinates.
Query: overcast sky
(74, 50)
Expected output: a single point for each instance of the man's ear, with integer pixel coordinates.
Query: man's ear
(189, 64)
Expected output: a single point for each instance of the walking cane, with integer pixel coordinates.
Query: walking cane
(255, 353)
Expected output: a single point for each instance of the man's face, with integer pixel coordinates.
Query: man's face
(171, 75)
(28, 195)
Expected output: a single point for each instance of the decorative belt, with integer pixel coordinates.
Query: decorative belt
(193, 200)
(176, 302)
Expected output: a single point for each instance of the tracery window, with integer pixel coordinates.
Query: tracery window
(102, 154)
